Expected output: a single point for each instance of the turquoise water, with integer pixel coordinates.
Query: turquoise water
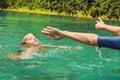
(56, 64)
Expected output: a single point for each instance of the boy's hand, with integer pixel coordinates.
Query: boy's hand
(100, 24)
(53, 33)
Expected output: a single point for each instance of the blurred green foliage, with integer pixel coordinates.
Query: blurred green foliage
(94, 8)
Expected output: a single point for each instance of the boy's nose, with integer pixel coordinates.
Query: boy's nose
(35, 39)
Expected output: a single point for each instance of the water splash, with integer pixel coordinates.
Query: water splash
(55, 50)
(99, 52)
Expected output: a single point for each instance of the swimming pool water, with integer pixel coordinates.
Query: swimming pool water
(56, 64)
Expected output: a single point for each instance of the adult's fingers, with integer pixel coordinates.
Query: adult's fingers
(45, 32)
(100, 19)
(48, 30)
(52, 37)
(51, 28)
(97, 21)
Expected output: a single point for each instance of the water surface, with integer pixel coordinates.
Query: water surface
(56, 64)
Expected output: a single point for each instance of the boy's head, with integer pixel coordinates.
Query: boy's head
(29, 40)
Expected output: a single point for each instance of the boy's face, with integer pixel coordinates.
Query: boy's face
(30, 40)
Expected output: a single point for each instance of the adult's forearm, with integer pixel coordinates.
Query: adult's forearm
(86, 38)
(114, 29)
(74, 35)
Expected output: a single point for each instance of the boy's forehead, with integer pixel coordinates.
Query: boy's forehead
(28, 35)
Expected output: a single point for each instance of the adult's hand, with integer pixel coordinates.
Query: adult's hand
(53, 33)
(100, 24)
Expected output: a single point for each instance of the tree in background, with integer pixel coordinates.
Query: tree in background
(3, 4)
(108, 8)
(95, 8)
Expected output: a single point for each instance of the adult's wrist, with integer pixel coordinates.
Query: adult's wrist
(63, 33)
(105, 26)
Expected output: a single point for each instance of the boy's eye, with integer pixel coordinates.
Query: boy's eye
(30, 38)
